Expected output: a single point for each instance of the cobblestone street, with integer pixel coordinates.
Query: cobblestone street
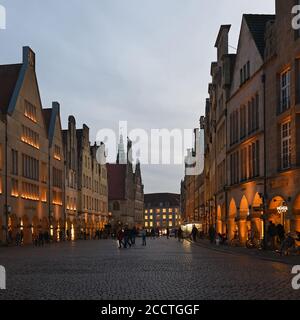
(165, 269)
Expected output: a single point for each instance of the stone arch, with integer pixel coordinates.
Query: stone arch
(244, 225)
(257, 201)
(257, 224)
(232, 209)
(244, 208)
(232, 225)
(219, 220)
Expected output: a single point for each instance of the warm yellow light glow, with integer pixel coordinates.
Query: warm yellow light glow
(30, 137)
(72, 233)
(51, 231)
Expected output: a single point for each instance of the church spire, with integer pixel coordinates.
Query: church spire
(121, 159)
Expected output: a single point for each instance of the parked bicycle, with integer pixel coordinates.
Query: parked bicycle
(254, 243)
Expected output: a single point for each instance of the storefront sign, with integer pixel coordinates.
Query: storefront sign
(282, 209)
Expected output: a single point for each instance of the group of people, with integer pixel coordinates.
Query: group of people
(127, 237)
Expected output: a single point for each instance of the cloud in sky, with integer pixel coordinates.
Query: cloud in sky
(147, 62)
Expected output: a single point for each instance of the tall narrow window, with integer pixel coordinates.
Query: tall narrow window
(243, 122)
(285, 91)
(286, 145)
(14, 162)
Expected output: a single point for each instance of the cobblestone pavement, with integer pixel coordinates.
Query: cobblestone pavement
(165, 269)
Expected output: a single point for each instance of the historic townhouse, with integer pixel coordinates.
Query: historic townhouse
(56, 172)
(2, 177)
(282, 92)
(221, 72)
(209, 160)
(99, 196)
(104, 218)
(85, 175)
(71, 177)
(245, 132)
(26, 203)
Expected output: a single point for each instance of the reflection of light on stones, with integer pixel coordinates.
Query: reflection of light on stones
(187, 246)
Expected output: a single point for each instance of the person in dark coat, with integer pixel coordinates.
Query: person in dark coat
(168, 233)
(194, 233)
(120, 237)
(272, 233)
(280, 232)
(212, 234)
(127, 238)
(179, 234)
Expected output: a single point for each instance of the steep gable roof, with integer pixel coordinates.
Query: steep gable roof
(50, 116)
(9, 75)
(257, 25)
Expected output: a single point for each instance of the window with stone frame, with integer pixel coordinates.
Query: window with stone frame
(286, 142)
(285, 91)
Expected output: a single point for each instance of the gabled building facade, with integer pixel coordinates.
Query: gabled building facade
(56, 172)
(245, 134)
(282, 92)
(26, 204)
(71, 177)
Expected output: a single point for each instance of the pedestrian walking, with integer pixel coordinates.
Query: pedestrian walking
(127, 238)
(120, 237)
(212, 234)
(168, 233)
(144, 237)
(194, 233)
(272, 233)
(179, 234)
